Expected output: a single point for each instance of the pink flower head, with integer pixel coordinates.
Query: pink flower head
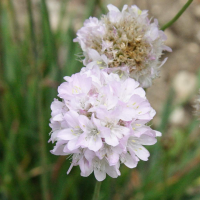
(101, 121)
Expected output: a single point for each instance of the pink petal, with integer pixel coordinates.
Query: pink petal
(85, 167)
(72, 145)
(66, 134)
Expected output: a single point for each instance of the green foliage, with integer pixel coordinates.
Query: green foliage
(30, 72)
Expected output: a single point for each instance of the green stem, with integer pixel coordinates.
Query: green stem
(165, 174)
(96, 191)
(178, 15)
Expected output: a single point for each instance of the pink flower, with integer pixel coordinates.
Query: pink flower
(101, 122)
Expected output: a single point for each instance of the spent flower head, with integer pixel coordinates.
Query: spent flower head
(101, 122)
(126, 42)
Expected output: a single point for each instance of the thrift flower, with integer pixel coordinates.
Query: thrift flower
(126, 42)
(100, 120)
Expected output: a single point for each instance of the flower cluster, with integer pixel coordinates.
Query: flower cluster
(125, 42)
(101, 122)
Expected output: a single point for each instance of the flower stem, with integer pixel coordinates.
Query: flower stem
(178, 15)
(96, 191)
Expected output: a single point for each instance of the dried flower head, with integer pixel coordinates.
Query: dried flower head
(101, 123)
(125, 40)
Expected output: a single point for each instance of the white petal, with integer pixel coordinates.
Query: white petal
(72, 144)
(58, 117)
(112, 8)
(111, 171)
(95, 143)
(58, 149)
(89, 155)
(163, 62)
(129, 161)
(72, 118)
(99, 175)
(141, 152)
(54, 135)
(86, 167)
(94, 55)
(158, 134)
(66, 134)
(146, 140)
(111, 140)
(56, 104)
(140, 91)
(166, 48)
(113, 158)
(127, 114)
(124, 8)
(96, 122)
(119, 131)
(85, 123)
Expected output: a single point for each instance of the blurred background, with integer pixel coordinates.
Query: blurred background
(37, 51)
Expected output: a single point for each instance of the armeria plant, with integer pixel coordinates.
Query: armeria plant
(102, 115)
